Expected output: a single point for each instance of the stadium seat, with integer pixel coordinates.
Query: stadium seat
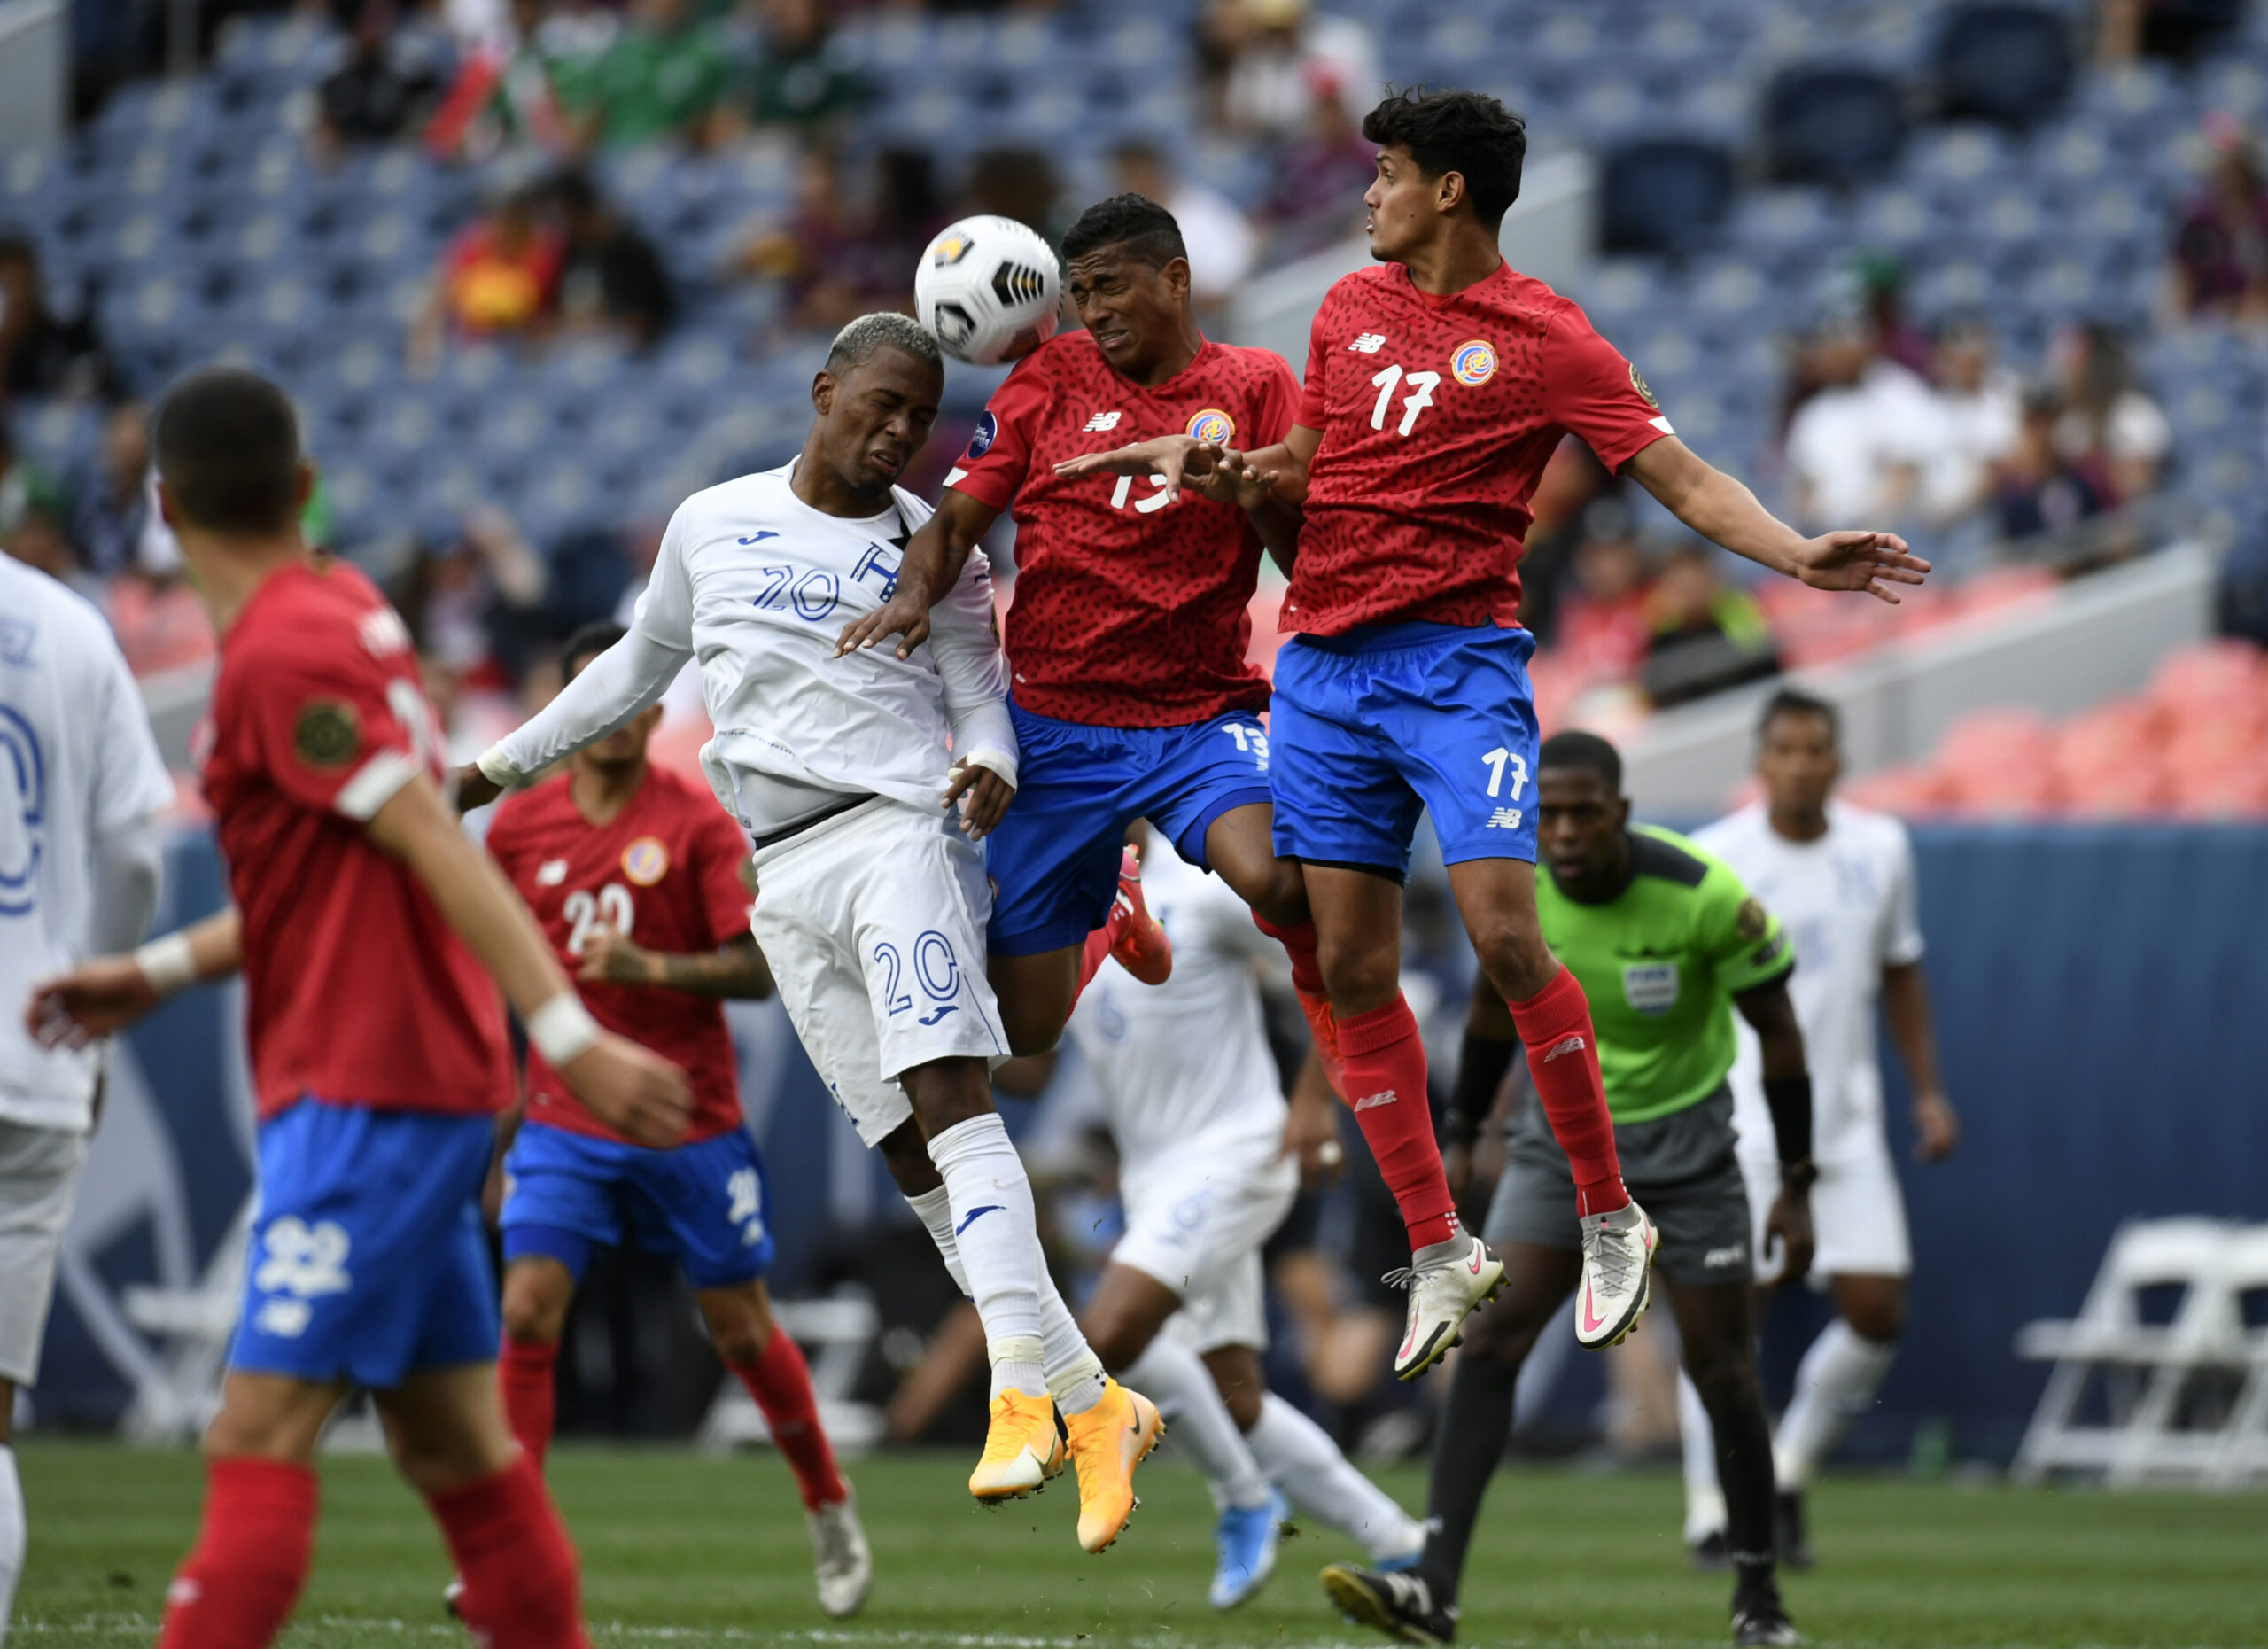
(1664, 195)
(2007, 63)
(1833, 125)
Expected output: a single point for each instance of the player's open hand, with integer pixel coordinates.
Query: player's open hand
(101, 995)
(610, 957)
(1872, 561)
(982, 797)
(1176, 460)
(474, 788)
(1788, 1226)
(906, 614)
(1937, 1128)
(640, 1095)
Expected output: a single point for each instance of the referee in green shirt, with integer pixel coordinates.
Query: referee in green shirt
(1667, 946)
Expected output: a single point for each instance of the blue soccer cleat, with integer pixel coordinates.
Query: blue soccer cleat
(1247, 1536)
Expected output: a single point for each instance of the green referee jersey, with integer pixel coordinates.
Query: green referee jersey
(1660, 962)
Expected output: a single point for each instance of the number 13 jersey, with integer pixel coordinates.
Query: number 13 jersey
(1438, 416)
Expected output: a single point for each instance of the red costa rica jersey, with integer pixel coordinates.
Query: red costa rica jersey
(666, 872)
(1437, 417)
(1129, 612)
(358, 992)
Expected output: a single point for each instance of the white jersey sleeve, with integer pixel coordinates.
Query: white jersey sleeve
(1901, 931)
(964, 641)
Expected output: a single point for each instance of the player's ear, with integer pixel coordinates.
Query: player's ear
(1622, 813)
(1448, 192)
(823, 392)
(1175, 275)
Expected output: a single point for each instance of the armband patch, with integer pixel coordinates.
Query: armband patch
(1645, 392)
(1750, 922)
(328, 733)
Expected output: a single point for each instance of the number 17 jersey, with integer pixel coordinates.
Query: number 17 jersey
(1437, 415)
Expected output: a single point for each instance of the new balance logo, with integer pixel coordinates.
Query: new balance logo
(1375, 1101)
(1102, 422)
(1504, 819)
(975, 1215)
(1732, 1254)
(551, 873)
(1565, 1045)
(1368, 344)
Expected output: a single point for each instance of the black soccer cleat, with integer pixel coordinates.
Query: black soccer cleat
(1400, 1606)
(1709, 1554)
(1788, 1529)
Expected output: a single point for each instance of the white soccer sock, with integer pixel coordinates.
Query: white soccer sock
(1074, 1372)
(1299, 1457)
(12, 1534)
(1705, 1498)
(995, 1233)
(1839, 1378)
(1176, 1379)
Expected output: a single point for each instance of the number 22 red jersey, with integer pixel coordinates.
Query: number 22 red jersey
(1129, 612)
(665, 871)
(358, 992)
(1437, 417)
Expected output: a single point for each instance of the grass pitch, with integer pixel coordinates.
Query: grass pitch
(679, 1550)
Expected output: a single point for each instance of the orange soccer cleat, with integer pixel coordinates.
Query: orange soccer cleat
(1137, 940)
(1107, 1441)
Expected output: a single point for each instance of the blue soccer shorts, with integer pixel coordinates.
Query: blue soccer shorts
(702, 1204)
(1054, 858)
(367, 1259)
(1377, 726)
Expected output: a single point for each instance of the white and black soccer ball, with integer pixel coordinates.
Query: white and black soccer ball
(988, 290)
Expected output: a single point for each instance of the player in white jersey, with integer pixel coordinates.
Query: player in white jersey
(81, 787)
(874, 896)
(1210, 1162)
(1841, 881)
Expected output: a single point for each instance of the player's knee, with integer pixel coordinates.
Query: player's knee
(1725, 1380)
(1030, 1033)
(1499, 1337)
(1280, 894)
(533, 1313)
(947, 1093)
(1243, 1403)
(1512, 953)
(1361, 972)
(739, 1325)
(1880, 1316)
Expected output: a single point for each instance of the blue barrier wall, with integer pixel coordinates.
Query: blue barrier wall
(2102, 1001)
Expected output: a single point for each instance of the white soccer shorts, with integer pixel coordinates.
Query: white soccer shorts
(1857, 1212)
(39, 1181)
(873, 923)
(1196, 1220)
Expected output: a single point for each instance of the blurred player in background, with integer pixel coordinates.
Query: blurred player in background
(641, 884)
(363, 920)
(80, 788)
(1841, 880)
(1133, 696)
(1209, 1163)
(1669, 947)
(874, 896)
(1438, 386)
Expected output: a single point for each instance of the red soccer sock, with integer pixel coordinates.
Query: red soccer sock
(521, 1589)
(1555, 1027)
(524, 1374)
(1092, 957)
(1298, 944)
(236, 1588)
(1385, 1083)
(781, 1382)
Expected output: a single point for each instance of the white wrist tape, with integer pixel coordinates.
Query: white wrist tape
(561, 1029)
(168, 963)
(496, 767)
(994, 761)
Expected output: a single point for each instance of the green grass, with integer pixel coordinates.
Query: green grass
(679, 1550)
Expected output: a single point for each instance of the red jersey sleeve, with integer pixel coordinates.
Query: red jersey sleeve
(1591, 390)
(720, 853)
(1280, 402)
(325, 727)
(1315, 394)
(999, 454)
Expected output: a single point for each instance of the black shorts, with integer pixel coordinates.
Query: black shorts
(1682, 1169)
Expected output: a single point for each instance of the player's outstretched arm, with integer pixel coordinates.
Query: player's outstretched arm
(612, 690)
(644, 1097)
(1771, 1013)
(1724, 512)
(932, 564)
(107, 993)
(737, 971)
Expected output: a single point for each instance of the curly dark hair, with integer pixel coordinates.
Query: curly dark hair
(1466, 132)
(1135, 224)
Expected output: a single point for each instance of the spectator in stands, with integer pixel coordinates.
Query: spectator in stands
(2220, 252)
(32, 518)
(505, 89)
(41, 353)
(1706, 635)
(799, 76)
(835, 260)
(610, 279)
(1264, 57)
(500, 278)
(111, 509)
(2111, 430)
(1219, 236)
(1315, 199)
(388, 85)
(1604, 627)
(1878, 281)
(1979, 405)
(1019, 183)
(2037, 489)
(663, 78)
(1856, 446)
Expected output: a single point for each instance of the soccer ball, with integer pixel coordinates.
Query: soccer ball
(988, 290)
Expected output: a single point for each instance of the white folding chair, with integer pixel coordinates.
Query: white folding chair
(178, 1400)
(834, 1333)
(2243, 1456)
